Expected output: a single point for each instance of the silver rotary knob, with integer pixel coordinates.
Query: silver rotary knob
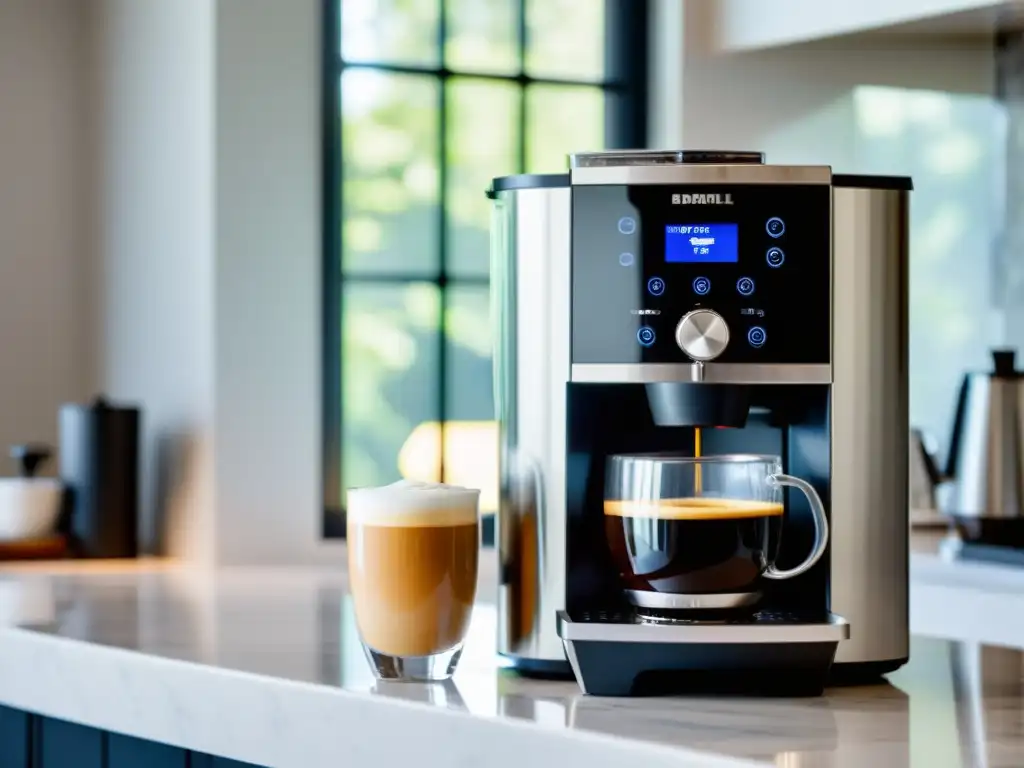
(702, 334)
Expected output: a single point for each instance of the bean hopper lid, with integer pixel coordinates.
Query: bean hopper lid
(631, 157)
(621, 158)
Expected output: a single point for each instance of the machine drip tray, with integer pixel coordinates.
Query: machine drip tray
(765, 654)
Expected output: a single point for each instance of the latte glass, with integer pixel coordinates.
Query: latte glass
(413, 550)
(692, 534)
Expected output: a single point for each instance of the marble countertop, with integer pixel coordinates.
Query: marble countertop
(263, 665)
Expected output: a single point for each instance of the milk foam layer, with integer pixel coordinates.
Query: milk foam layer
(411, 504)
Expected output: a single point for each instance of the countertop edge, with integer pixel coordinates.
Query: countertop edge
(282, 723)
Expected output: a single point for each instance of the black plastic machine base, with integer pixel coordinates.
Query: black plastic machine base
(541, 669)
(764, 656)
(839, 675)
(652, 669)
(863, 672)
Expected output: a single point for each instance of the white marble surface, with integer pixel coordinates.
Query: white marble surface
(264, 666)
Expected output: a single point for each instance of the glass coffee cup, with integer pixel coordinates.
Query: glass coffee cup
(413, 552)
(694, 534)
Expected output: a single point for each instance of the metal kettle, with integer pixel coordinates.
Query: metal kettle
(986, 450)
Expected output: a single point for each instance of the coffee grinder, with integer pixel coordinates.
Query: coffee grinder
(646, 295)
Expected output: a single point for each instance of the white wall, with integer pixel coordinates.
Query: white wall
(153, 185)
(46, 344)
(268, 302)
(209, 178)
(210, 248)
(794, 102)
(751, 24)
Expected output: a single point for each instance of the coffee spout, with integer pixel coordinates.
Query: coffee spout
(679, 404)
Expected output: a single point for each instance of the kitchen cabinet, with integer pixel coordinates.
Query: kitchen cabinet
(32, 741)
(14, 738)
(751, 25)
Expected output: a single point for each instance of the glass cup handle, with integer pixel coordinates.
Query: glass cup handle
(820, 526)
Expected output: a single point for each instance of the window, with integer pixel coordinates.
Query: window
(424, 102)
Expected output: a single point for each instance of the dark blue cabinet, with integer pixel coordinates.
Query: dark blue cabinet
(32, 741)
(14, 738)
(127, 752)
(62, 745)
(209, 761)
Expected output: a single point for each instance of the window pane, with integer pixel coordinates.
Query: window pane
(390, 31)
(561, 120)
(483, 136)
(390, 378)
(482, 36)
(471, 442)
(390, 173)
(565, 39)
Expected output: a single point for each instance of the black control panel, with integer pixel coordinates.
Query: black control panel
(645, 256)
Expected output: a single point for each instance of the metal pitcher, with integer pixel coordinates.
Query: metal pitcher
(986, 450)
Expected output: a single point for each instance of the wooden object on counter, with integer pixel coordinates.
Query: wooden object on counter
(44, 548)
(928, 519)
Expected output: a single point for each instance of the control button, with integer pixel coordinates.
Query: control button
(745, 286)
(627, 225)
(756, 336)
(626, 259)
(702, 334)
(701, 286)
(775, 257)
(775, 226)
(656, 286)
(645, 336)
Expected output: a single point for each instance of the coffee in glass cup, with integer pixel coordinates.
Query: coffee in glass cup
(413, 551)
(693, 534)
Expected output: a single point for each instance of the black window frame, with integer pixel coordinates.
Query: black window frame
(626, 115)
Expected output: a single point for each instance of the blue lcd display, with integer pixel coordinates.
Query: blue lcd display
(702, 243)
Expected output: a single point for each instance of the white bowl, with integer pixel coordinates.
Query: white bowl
(29, 507)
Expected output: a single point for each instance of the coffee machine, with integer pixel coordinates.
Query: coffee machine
(646, 295)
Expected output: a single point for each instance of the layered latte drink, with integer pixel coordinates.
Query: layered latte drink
(413, 550)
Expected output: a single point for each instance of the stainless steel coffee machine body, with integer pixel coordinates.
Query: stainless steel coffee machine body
(530, 294)
(593, 276)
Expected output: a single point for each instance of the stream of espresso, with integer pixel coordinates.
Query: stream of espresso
(696, 467)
